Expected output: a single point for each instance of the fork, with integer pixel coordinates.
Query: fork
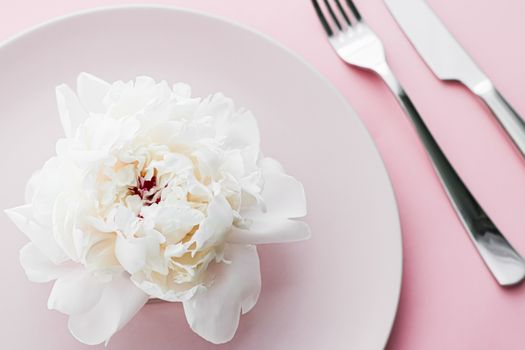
(359, 46)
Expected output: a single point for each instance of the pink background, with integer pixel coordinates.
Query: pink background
(448, 299)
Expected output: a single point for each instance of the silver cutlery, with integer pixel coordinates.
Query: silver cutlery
(359, 46)
(447, 59)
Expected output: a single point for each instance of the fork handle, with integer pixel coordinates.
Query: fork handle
(503, 111)
(505, 264)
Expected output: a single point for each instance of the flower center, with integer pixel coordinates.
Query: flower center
(147, 190)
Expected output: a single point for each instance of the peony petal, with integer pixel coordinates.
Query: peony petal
(64, 225)
(233, 164)
(218, 106)
(32, 186)
(73, 150)
(72, 114)
(242, 131)
(120, 301)
(251, 155)
(270, 231)
(237, 129)
(176, 221)
(132, 253)
(43, 238)
(126, 221)
(283, 196)
(182, 90)
(132, 98)
(101, 255)
(100, 134)
(174, 292)
(215, 226)
(214, 312)
(91, 92)
(268, 164)
(38, 267)
(75, 293)
(51, 182)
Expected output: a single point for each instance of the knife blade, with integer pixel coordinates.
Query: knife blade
(449, 61)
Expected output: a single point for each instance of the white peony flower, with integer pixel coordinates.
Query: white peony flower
(154, 194)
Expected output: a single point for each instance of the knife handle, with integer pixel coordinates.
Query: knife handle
(503, 111)
(506, 265)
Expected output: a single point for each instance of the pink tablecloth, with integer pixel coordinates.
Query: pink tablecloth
(448, 299)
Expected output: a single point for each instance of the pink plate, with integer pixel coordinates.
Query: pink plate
(337, 291)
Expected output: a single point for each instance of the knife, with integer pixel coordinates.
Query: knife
(447, 59)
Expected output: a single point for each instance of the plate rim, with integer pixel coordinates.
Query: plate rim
(296, 56)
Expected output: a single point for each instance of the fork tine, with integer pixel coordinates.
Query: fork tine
(343, 12)
(332, 14)
(354, 10)
(322, 18)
